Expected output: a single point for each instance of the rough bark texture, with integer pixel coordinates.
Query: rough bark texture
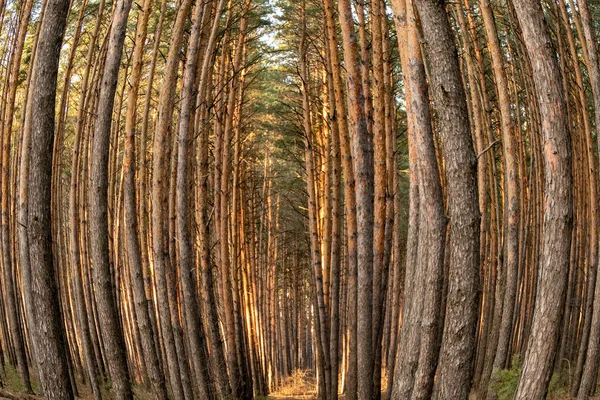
(362, 158)
(592, 356)
(557, 212)
(197, 350)
(511, 184)
(10, 286)
(432, 232)
(159, 187)
(50, 336)
(142, 310)
(211, 320)
(111, 329)
(341, 116)
(458, 342)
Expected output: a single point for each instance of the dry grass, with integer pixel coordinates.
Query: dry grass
(301, 385)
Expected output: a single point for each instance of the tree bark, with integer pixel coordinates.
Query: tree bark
(362, 157)
(166, 106)
(458, 341)
(142, 310)
(556, 229)
(50, 336)
(111, 329)
(195, 332)
(11, 289)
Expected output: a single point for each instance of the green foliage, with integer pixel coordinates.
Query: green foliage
(13, 383)
(504, 382)
(559, 386)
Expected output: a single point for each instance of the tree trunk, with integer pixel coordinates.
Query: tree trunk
(556, 230)
(50, 335)
(111, 329)
(166, 105)
(458, 342)
(11, 289)
(185, 254)
(362, 156)
(142, 310)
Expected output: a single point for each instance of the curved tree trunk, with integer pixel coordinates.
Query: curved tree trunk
(556, 230)
(197, 349)
(455, 368)
(142, 310)
(50, 335)
(11, 289)
(511, 185)
(159, 187)
(111, 329)
(589, 368)
(217, 355)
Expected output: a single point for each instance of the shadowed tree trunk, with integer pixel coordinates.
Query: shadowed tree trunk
(458, 342)
(50, 336)
(197, 350)
(557, 212)
(511, 184)
(589, 368)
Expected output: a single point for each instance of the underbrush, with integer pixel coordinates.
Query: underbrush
(504, 383)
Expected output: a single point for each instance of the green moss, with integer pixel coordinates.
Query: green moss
(13, 383)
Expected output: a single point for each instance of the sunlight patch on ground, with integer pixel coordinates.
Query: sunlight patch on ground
(301, 385)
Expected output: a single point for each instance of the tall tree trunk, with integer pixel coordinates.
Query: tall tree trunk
(341, 117)
(322, 317)
(592, 356)
(11, 289)
(74, 220)
(50, 335)
(217, 355)
(556, 230)
(111, 329)
(185, 254)
(362, 157)
(458, 342)
(407, 358)
(432, 230)
(166, 106)
(511, 199)
(142, 310)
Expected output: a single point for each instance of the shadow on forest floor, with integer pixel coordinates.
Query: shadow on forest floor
(302, 385)
(11, 388)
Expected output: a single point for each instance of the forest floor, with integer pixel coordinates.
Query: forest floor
(302, 385)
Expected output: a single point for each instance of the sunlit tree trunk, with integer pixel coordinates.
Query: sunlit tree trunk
(142, 310)
(362, 157)
(10, 286)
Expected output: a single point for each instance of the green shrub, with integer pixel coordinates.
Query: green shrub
(505, 381)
